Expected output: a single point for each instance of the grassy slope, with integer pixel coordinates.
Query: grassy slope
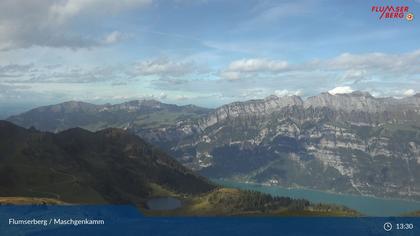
(413, 214)
(215, 203)
(29, 201)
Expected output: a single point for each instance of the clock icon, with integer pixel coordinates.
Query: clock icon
(387, 226)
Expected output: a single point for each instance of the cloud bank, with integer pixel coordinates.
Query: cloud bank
(55, 23)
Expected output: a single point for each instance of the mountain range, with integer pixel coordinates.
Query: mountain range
(112, 166)
(347, 143)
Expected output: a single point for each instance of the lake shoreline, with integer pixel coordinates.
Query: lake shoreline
(367, 205)
(317, 190)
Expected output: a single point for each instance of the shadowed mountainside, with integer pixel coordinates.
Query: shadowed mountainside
(84, 167)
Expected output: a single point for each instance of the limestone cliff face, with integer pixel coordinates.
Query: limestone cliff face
(356, 108)
(253, 108)
(353, 143)
(355, 102)
(362, 101)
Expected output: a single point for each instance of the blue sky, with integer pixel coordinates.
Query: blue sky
(205, 52)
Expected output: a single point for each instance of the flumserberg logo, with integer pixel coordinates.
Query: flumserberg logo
(393, 12)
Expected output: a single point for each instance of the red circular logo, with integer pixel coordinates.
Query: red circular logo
(409, 16)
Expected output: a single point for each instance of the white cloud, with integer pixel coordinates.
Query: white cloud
(14, 70)
(181, 98)
(257, 64)
(347, 67)
(52, 22)
(62, 11)
(354, 74)
(253, 67)
(113, 37)
(409, 92)
(162, 96)
(37, 74)
(340, 90)
(405, 63)
(166, 67)
(286, 92)
(231, 75)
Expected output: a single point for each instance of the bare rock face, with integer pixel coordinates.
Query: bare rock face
(253, 108)
(363, 101)
(356, 101)
(350, 143)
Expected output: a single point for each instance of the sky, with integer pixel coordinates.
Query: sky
(203, 52)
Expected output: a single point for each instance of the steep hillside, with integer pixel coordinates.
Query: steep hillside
(84, 167)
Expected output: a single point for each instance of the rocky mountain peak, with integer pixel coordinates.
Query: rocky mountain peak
(70, 106)
(359, 94)
(257, 107)
(355, 101)
(136, 105)
(143, 102)
(260, 106)
(286, 99)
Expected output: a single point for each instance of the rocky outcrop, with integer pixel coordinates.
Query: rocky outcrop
(251, 108)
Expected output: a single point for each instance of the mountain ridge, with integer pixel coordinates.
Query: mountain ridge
(281, 101)
(348, 143)
(355, 101)
(86, 155)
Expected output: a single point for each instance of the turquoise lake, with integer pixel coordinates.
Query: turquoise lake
(369, 206)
